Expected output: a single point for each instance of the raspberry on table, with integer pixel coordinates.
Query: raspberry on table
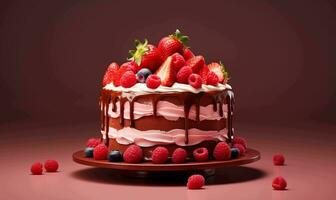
(279, 183)
(278, 159)
(160, 155)
(51, 165)
(201, 154)
(195, 181)
(36, 168)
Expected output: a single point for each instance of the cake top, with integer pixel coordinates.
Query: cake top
(169, 67)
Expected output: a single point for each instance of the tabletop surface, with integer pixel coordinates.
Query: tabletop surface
(308, 147)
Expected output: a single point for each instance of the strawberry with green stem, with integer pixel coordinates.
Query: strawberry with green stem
(172, 44)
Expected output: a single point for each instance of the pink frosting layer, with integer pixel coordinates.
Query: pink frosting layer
(168, 110)
(149, 138)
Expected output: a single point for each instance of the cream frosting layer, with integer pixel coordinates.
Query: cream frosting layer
(149, 138)
(168, 110)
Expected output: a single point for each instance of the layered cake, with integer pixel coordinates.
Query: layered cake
(166, 96)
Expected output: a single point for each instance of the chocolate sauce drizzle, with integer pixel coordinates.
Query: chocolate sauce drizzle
(188, 99)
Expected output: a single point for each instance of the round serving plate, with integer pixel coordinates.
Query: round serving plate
(250, 156)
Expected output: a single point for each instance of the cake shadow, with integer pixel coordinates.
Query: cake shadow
(226, 175)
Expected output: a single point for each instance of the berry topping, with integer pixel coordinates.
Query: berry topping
(146, 55)
(187, 54)
(278, 159)
(178, 61)
(51, 165)
(143, 74)
(92, 142)
(219, 70)
(195, 81)
(124, 68)
(240, 140)
(160, 155)
(279, 183)
(201, 154)
(195, 181)
(183, 74)
(153, 81)
(128, 79)
(88, 152)
(172, 44)
(100, 152)
(179, 155)
(212, 79)
(131, 65)
(133, 154)
(36, 168)
(204, 71)
(241, 148)
(196, 63)
(166, 73)
(115, 156)
(234, 153)
(222, 151)
(110, 73)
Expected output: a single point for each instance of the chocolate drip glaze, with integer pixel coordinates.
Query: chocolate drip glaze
(187, 99)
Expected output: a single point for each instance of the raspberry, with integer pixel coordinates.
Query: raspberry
(240, 140)
(120, 73)
(128, 79)
(201, 154)
(51, 165)
(100, 152)
(178, 61)
(278, 159)
(179, 155)
(153, 81)
(279, 183)
(195, 181)
(133, 154)
(183, 74)
(111, 71)
(241, 148)
(92, 142)
(195, 80)
(36, 168)
(212, 79)
(222, 151)
(160, 155)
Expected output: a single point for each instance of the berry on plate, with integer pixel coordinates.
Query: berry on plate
(153, 81)
(222, 151)
(143, 74)
(89, 152)
(212, 79)
(172, 44)
(133, 154)
(240, 140)
(92, 142)
(115, 156)
(196, 63)
(146, 55)
(166, 73)
(240, 147)
(219, 70)
(100, 152)
(195, 181)
(110, 73)
(278, 159)
(128, 79)
(179, 156)
(279, 183)
(178, 61)
(201, 154)
(183, 74)
(160, 155)
(36, 168)
(51, 165)
(187, 53)
(234, 153)
(195, 81)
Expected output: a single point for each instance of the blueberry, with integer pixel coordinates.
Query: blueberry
(143, 74)
(234, 153)
(89, 152)
(115, 156)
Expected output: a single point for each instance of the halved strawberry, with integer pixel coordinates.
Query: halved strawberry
(187, 53)
(219, 70)
(111, 71)
(203, 72)
(166, 72)
(196, 63)
(146, 55)
(172, 44)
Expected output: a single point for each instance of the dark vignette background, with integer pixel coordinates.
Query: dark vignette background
(280, 54)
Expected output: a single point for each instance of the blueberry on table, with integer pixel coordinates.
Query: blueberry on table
(143, 74)
(115, 156)
(234, 153)
(89, 152)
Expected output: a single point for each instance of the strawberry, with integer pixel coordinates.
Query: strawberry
(111, 71)
(187, 53)
(146, 55)
(166, 72)
(203, 72)
(123, 68)
(178, 61)
(219, 70)
(196, 63)
(172, 44)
